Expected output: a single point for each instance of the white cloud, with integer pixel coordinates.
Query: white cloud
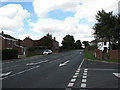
(12, 16)
(61, 28)
(89, 8)
(42, 7)
(32, 36)
(70, 25)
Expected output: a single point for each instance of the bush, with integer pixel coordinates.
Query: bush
(9, 54)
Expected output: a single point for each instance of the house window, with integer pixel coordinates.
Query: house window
(8, 41)
(104, 43)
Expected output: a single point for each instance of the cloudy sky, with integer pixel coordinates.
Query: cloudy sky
(36, 18)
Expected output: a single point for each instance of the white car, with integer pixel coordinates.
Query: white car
(48, 51)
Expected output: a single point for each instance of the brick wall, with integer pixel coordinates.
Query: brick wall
(99, 54)
(27, 42)
(114, 54)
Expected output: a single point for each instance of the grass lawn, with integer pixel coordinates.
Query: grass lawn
(90, 56)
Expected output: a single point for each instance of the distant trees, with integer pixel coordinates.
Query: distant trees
(78, 44)
(85, 43)
(68, 42)
(108, 26)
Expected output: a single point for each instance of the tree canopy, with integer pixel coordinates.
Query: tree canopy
(78, 44)
(107, 26)
(68, 42)
(85, 43)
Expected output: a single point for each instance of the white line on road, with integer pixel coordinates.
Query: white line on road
(74, 76)
(76, 73)
(37, 63)
(84, 73)
(84, 80)
(20, 72)
(5, 74)
(73, 80)
(81, 64)
(117, 74)
(70, 84)
(83, 85)
(64, 63)
(84, 77)
(100, 69)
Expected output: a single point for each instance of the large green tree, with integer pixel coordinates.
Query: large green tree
(78, 44)
(106, 26)
(85, 43)
(68, 42)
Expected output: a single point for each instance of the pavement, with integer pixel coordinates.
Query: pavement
(66, 70)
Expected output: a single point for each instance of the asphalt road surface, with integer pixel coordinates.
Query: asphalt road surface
(63, 70)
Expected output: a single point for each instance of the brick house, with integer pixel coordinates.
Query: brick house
(55, 44)
(28, 42)
(8, 42)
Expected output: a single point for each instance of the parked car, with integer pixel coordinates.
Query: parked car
(48, 51)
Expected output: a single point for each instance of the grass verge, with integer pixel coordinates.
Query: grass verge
(34, 55)
(90, 56)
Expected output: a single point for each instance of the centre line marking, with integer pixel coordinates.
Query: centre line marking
(76, 73)
(70, 84)
(20, 72)
(84, 80)
(84, 73)
(73, 80)
(74, 76)
(84, 76)
(83, 85)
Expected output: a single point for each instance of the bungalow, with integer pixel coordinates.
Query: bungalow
(8, 42)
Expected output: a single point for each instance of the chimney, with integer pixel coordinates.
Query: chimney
(48, 34)
(51, 36)
(2, 32)
(54, 38)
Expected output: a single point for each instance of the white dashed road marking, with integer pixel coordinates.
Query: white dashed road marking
(73, 80)
(70, 85)
(20, 72)
(5, 74)
(83, 85)
(84, 73)
(84, 76)
(84, 80)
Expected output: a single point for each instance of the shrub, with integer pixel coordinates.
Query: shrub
(9, 54)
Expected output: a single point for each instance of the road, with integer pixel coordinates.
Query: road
(64, 70)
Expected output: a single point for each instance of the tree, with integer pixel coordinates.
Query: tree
(85, 43)
(78, 44)
(106, 27)
(68, 42)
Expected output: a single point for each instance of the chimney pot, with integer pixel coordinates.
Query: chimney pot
(2, 32)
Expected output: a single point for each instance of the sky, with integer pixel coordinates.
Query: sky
(36, 18)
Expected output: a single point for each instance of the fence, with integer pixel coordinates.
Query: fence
(113, 54)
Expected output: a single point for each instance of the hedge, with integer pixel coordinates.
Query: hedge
(9, 54)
